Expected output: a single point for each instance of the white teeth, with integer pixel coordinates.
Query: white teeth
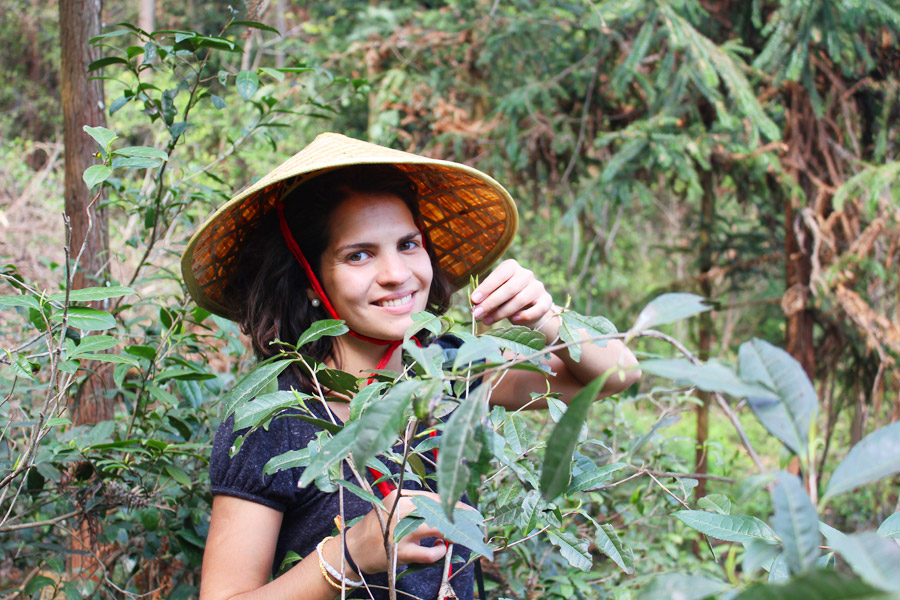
(396, 302)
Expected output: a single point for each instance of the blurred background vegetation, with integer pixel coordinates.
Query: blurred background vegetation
(746, 151)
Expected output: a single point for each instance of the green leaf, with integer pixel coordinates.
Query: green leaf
(217, 101)
(381, 420)
(516, 433)
(247, 83)
(178, 475)
(575, 551)
(361, 493)
(594, 479)
(406, 526)
(262, 408)
(682, 587)
(93, 294)
(93, 343)
(254, 25)
(789, 417)
(142, 151)
(288, 460)
(608, 542)
(561, 444)
(875, 457)
(87, 319)
(458, 445)
(891, 526)
(669, 308)
(252, 384)
(712, 376)
(103, 136)
(335, 450)
(320, 329)
(872, 557)
(96, 174)
(595, 325)
(135, 163)
(520, 340)
(104, 62)
(731, 528)
(364, 397)
(461, 530)
(120, 359)
(23, 301)
(423, 320)
(796, 523)
(716, 502)
(273, 73)
(475, 350)
(56, 421)
(38, 583)
(818, 585)
(332, 428)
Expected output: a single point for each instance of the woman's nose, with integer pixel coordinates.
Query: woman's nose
(393, 269)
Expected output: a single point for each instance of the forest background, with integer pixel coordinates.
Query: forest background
(746, 152)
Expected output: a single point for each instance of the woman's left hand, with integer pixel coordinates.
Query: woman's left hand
(511, 292)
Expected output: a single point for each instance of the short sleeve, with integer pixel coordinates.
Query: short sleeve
(242, 475)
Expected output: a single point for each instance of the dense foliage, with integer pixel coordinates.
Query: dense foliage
(745, 151)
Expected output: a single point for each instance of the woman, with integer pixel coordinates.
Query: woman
(351, 230)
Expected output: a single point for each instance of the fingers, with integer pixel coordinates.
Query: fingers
(511, 292)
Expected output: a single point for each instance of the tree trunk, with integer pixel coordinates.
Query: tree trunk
(82, 103)
(147, 15)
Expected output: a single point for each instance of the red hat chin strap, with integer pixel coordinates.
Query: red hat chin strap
(320, 291)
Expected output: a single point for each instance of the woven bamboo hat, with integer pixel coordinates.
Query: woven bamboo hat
(468, 217)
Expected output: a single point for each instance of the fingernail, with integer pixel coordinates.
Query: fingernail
(477, 297)
(477, 312)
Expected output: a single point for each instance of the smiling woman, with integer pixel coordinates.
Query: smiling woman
(372, 236)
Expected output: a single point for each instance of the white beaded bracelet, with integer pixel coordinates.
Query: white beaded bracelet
(335, 574)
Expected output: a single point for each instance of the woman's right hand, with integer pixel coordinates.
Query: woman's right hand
(365, 540)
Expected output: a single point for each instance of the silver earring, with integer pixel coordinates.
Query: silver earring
(315, 302)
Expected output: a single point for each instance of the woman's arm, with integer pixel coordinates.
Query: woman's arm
(512, 292)
(240, 548)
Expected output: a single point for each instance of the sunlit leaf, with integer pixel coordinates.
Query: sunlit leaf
(93, 294)
(103, 136)
(96, 174)
(712, 376)
(891, 526)
(731, 528)
(288, 460)
(247, 83)
(789, 416)
(142, 151)
(261, 408)
(462, 530)
(796, 523)
(252, 384)
(595, 478)
(669, 308)
(320, 329)
(874, 558)
(330, 453)
(574, 550)
(875, 457)
(715, 502)
(87, 319)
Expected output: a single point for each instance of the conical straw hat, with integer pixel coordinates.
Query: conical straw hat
(469, 218)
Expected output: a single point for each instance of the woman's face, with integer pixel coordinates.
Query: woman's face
(375, 269)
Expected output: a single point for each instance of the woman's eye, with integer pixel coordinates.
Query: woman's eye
(357, 256)
(408, 245)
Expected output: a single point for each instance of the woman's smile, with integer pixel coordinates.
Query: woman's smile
(375, 268)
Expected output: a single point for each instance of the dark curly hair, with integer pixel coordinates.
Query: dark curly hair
(269, 285)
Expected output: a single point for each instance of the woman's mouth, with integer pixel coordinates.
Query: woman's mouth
(395, 302)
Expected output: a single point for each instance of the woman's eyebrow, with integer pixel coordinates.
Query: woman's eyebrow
(368, 245)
